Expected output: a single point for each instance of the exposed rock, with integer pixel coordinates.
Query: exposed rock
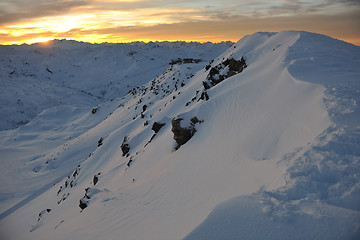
(206, 85)
(185, 60)
(157, 126)
(100, 142)
(95, 180)
(195, 120)
(86, 193)
(183, 134)
(42, 213)
(125, 148)
(82, 205)
(59, 191)
(234, 67)
(129, 162)
(204, 96)
(213, 71)
(47, 69)
(94, 110)
(231, 73)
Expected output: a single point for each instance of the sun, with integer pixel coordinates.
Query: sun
(43, 40)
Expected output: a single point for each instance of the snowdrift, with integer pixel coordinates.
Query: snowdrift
(266, 147)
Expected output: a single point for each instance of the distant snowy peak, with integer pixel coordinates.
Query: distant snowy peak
(69, 44)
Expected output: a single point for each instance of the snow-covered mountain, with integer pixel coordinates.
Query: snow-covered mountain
(61, 72)
(262, 142)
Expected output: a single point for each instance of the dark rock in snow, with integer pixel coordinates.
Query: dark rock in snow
(185, 61)
(129, 162)
(100, 142)
(206, 85)
(234, 67)
(47, 69)
(195, 120)
(204, 96)
(125, 148)
(82, 205)
(157, 126)
(94, 110)
(183, 134)
(95, 180)
(213, 71)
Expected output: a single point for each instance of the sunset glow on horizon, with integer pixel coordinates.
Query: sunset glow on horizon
(95, 21)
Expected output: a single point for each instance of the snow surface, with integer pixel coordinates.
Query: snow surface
(275, 155)
(41, 76)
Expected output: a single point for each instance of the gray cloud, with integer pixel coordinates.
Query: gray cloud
(234, 27)
(229, 18)
(288, 7)
(349, 2)
(18, 10)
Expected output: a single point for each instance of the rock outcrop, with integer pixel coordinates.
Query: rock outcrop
(125, 148)
(182, 134)
(82, 204)
(217, 75)
(157, 126)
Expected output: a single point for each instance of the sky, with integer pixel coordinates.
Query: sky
(96, 21)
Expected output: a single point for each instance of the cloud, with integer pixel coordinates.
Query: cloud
(349, 2)
(231, 28)
(13, 11)
(19, 10)
(110, 20)
(293, 7)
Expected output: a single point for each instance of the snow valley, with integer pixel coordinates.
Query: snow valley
(254, 140)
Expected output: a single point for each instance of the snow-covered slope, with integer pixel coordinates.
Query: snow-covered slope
(61, 72)
(274, 152)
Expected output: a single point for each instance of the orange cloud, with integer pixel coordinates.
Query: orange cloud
(124, 21)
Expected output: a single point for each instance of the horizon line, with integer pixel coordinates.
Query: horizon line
(46, 41)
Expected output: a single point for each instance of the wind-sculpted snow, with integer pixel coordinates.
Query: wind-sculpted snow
(243, 217)
(273, 151)
(322, 182)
